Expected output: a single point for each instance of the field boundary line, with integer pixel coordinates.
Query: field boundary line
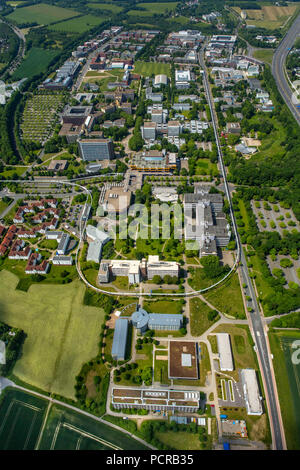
(43, 427)
(91, 436)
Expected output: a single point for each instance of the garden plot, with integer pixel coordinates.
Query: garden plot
(289, 267)
(273, 217)
(40, 116)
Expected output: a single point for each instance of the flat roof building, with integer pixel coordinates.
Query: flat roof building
(225, 354)
(251, 392)
(118, 350)
(96, 149)
(156, 399)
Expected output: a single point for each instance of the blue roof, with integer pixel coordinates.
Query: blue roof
(165, 319)
(120, 338)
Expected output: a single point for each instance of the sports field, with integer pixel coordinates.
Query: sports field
(21, 417)
(35, 62)
(67, 430)
(149, 68)
(62, 333)
(41, 14)
(78, 25)
(287, 373)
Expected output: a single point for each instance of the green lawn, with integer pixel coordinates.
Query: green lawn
(227, 297)
(199, 317)
(35, 62)
(62, 333)
(266, 55)
(287, 378)
(19, 170)
(3, 206)
(179, 440)
(78, 25)
(163, 306)
(149, 68)
(41, 13)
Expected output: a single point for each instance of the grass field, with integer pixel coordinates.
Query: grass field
(105, 6)
(150, 9)
(178, 440)
(163, 306)
(266, 55)
(288, 383)
(78, 25)
(199, 317)
(19, 170)
(62, 333)
(35, 62)
(149, 68)
(227, 297)
(21, 417)
(41, 14)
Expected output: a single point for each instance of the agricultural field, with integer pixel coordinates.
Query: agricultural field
(68, 430)
(54, 320)
(287, 373)
(40, 116)
(149, 68)
(269, 17)
(41, 14)
(78, 25)
(34, 63)
(21, 418)
(105, 6)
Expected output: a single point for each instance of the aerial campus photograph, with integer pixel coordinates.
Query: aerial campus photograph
(149, 226)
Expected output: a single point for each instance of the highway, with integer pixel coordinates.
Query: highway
(278, 67)
(255, 319)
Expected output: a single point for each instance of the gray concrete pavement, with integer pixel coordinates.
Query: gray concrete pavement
(278, 67)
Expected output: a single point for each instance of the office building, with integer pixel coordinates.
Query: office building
(96, 149)
(118, 350)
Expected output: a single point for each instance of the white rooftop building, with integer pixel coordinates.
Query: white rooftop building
(225, 354)
(251, 392)
(160, 80)
(2, 352)
(98, 239)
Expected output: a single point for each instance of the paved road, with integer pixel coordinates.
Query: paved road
(278, 67)
(255, 319)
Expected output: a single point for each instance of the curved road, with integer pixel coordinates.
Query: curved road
(278, 67)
